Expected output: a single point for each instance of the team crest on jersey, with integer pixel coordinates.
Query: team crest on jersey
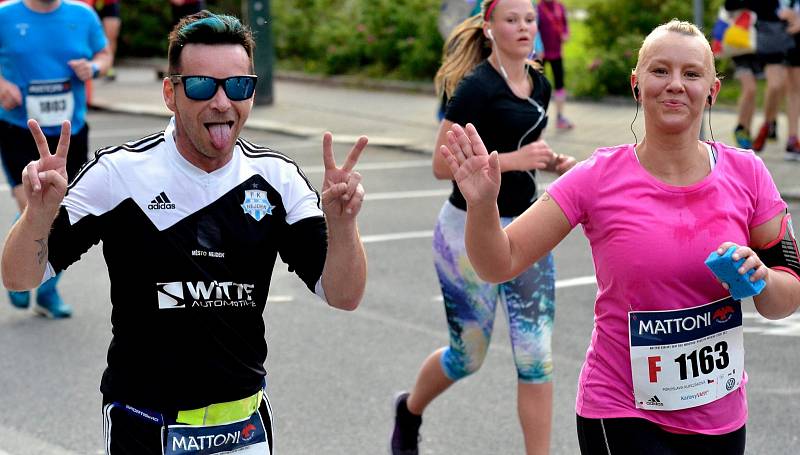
(256, 204)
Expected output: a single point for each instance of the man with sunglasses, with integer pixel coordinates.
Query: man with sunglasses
(48, 50)
(192, 220)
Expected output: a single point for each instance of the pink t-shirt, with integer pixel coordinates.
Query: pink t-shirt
(649, 242)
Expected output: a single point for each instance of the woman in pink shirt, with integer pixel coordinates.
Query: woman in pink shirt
(664, 369)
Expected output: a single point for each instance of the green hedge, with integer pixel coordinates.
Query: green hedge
(398, 39)
(146, 24)
(376, 38)
(613, 32)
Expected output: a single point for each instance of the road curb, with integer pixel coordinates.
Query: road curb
(266, 125)
(789, 195)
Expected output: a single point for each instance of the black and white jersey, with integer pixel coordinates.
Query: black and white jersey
(189, 256)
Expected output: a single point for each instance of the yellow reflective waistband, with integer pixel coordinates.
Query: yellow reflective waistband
(221, 413)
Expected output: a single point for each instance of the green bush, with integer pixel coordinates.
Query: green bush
(379, 38)
(615, 30)
(146, 24)
(398, 39)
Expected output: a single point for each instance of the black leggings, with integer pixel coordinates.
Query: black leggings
(634, 436)
(557, 66)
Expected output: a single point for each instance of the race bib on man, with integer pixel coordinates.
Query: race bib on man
(686, 358)
(247, 437)
(50, 102)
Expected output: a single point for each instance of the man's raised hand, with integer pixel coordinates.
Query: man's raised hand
(342, 193)
(44, 181)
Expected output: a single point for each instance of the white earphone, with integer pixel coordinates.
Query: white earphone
(489, 32)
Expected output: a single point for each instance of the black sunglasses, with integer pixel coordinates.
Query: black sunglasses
(202, 88)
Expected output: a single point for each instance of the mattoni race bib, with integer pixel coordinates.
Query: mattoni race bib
(686, 358)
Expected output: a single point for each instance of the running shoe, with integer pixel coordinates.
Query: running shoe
(563, 123)
(761, 138)
(49, 303)
(773, 131)
(405, 435)
(742, 136)
(792, 150)
(19, 299)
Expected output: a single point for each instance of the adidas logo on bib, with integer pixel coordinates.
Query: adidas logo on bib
(654, 401)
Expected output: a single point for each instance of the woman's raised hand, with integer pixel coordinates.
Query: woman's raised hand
(476, 172)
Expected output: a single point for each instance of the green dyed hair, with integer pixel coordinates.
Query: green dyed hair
(207, 28)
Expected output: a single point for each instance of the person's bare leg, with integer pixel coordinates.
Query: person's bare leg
(431, 382)
(793, 100)
(535, 408)
(111, 26)
(747, 100)
(776, 79)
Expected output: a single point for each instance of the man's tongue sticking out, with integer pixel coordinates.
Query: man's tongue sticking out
(220, 134)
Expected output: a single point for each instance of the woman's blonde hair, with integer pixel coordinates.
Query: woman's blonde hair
(464, 49)
(676, 26)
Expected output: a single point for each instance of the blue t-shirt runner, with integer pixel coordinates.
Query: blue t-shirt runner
(35, 49)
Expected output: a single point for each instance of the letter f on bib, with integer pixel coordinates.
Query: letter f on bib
(652, 364)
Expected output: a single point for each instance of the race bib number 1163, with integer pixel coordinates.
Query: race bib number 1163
(686, 358)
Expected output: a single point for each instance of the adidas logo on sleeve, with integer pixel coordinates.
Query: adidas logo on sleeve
(161, 202)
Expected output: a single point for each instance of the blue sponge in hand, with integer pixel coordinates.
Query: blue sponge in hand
(727, 270)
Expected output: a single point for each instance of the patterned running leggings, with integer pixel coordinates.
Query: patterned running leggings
(470, 303)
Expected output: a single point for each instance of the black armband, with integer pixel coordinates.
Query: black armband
(781, 253)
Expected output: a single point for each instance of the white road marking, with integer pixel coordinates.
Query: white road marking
(391, 195)
(789, 326)
(293, 145)
(567, 283)
(376, 166)
(396, 236)
(126, 134)
(578, 281)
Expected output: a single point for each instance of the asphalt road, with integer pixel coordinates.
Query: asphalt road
(332, 374)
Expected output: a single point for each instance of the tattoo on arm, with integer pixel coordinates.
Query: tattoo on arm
(41, 255)
(545, 197)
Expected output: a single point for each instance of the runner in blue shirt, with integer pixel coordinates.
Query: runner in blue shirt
(48, 49)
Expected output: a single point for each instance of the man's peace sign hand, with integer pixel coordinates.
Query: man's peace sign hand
(44, 181)
(342, 193)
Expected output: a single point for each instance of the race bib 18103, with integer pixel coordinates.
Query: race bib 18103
(50, 102)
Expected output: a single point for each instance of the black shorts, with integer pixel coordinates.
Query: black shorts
(773, 59)
(633, 436)
(749, 64)
(17, 149)
(125, 433)
(109, 10)
(793, 55)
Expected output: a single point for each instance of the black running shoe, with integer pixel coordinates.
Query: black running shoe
(405, 436)
(773, 130)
